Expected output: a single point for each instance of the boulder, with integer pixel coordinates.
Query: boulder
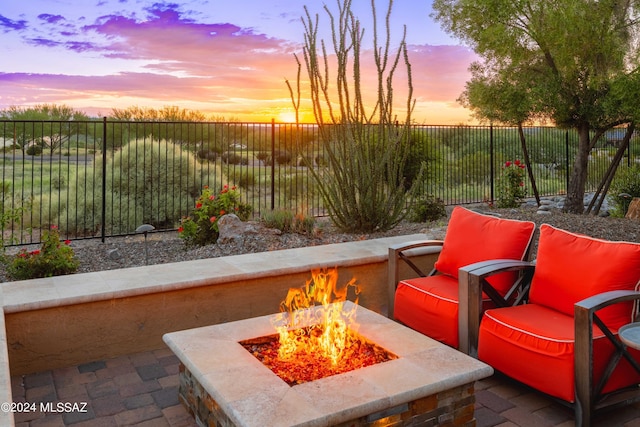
(233, 229)
(634, 209)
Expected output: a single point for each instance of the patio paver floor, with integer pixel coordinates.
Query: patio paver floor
(142, 390)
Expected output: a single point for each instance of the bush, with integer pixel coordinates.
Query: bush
(287, 222)
(626, 181)
(510, 185)
(232, 158)
(58, 182)
(156, 191)
(53, 259)
(427, 208)
(208, 154)
(201, 227)
(243, 177)
(34, 150)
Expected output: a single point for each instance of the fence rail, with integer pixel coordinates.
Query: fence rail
(102, 178)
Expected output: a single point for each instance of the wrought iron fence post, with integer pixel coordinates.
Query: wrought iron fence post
(492, 160)
(273, 164)
(103, 227)
(566, 157)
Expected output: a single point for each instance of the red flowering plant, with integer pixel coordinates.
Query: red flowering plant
(54, 258)
(510, 185)
(201, 226)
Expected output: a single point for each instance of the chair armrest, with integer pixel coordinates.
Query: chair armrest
(402, 252)
(472, 283)
(585, 316)
(596, 302)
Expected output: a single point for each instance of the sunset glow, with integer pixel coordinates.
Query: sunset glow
(227, 60)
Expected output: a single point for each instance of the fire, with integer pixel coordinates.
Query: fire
(316, 335)
(333, 330)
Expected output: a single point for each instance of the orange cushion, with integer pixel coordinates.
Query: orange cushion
(535, 345)
(430, 306)
(472, 237)
(571, 267)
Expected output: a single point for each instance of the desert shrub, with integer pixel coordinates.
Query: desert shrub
(264, 157)
(243, 177)
(282, 157)
(152, 182)
(233, 158)
(53, 259)
(207, 153)
(5, 188)
(285, 221)
(624, 187)
(201, 226)
(427, 208)
(34, 150)
(58, 182)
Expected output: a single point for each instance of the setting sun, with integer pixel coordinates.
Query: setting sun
(287, 117)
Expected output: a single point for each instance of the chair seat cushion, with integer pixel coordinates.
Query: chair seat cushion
(535, 345)
(430, 306)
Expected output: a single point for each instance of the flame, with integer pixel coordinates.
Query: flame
(332, 330)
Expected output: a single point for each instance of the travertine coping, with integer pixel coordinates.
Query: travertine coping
(251, 395)
(127, 282)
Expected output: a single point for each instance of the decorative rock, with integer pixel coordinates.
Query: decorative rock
(114, 254)
(634, 209)
(233, 229)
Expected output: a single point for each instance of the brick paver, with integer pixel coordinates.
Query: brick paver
(142, 390)
(135, 390)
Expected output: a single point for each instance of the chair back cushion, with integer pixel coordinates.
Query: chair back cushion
(472, 237)
(571, 267)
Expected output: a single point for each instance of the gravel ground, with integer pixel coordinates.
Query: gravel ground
(123, 252)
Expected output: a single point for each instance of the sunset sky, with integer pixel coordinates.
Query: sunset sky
(225, 58)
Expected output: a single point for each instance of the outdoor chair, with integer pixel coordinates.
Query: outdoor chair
(429, 303)
(564, 341)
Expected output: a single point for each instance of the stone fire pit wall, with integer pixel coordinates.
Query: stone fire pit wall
(69, 320)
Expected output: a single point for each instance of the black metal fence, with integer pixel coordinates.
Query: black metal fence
(104, 178)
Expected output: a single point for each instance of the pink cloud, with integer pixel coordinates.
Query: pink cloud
(219, 64)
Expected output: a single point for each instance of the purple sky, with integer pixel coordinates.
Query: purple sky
(225, 58)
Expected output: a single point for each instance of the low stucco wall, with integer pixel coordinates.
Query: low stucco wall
(69, 320)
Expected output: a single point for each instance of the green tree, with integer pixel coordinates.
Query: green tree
(49, 126)
(556, 60)
(365, 145)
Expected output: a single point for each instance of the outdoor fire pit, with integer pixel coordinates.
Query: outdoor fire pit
(223, 384)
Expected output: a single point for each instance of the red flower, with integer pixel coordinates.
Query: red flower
(507, 164)
(198, 205)
(67, 242)
(212, 197)
(222, 212)
(521, 184)
(213, 219)
(36, 252)
(522, 166)
(54, 227)
(180, 229)
(205, 187)
(517, 162)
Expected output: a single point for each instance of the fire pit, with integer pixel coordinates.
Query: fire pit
(223, 384)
